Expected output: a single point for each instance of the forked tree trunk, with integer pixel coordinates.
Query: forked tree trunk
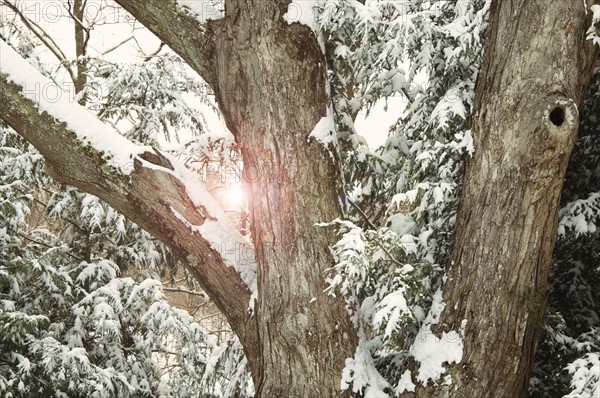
(269, 79)
(270, 86)
(536, 68)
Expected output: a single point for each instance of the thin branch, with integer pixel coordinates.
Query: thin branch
(362, 213)
(220, 331)
(186, 291)
(43, 36)
(119, 44)
(210, 316)
(195, 311)
(155, 53)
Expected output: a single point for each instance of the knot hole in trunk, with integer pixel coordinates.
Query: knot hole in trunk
(557, 116)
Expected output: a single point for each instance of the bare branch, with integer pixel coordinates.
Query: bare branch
(155, 52)
(117, 45)
(186, 291)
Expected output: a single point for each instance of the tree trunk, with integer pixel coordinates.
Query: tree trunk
(536, 68)
(270, 86)
(269, 81)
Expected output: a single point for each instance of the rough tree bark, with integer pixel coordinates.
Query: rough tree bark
(269, 82)
(536, 67)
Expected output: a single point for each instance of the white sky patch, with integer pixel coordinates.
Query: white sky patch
(113, 25)
(375, 126)
(48, 97)
(204, 9)
(235, 195)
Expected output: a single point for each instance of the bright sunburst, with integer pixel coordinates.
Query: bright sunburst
(235, 195)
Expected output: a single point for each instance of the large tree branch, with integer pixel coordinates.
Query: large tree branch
(192, 34)
(179, 28)
(151, 189)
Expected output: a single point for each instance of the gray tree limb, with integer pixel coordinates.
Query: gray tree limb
(146, 196)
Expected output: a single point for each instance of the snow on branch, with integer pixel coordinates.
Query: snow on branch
(116, 150)
(149, 187)
(211, 223)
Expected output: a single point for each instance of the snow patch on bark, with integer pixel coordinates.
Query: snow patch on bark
(306, 13)
(431, 351)
(324, 130)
